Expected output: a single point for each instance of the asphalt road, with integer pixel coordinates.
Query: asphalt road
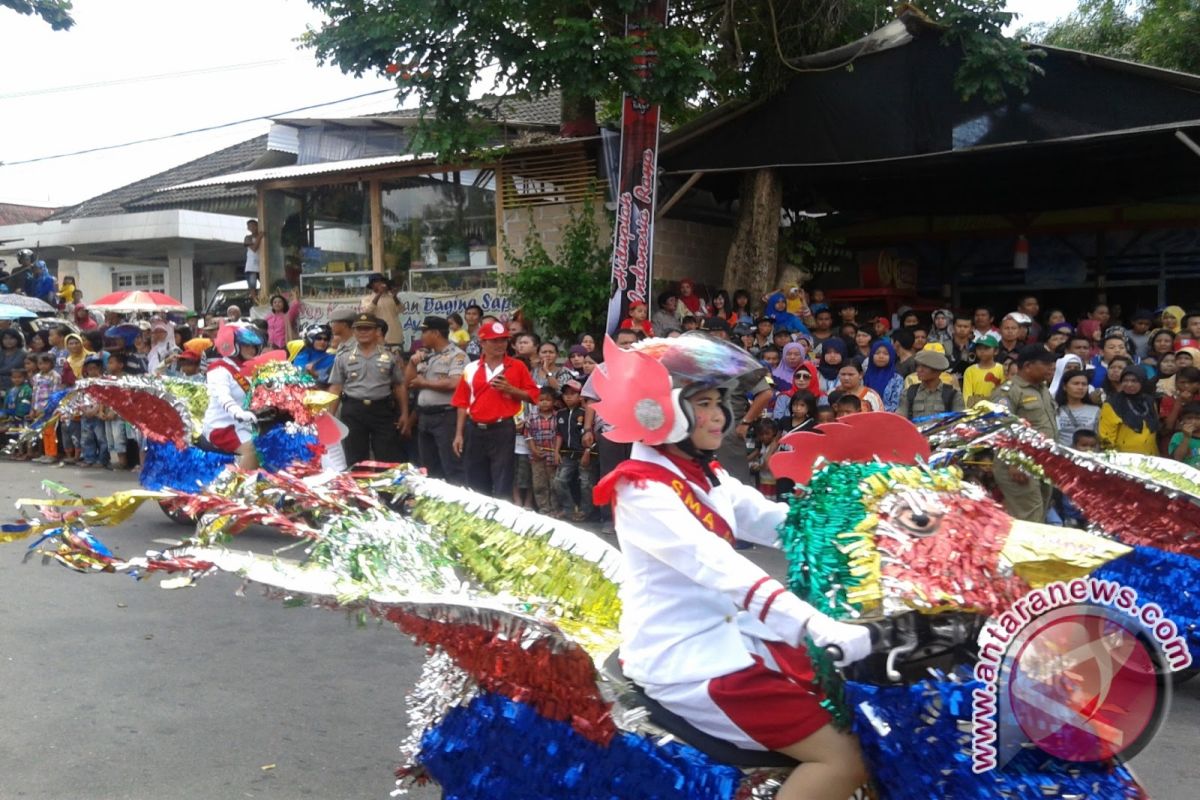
(110, 688)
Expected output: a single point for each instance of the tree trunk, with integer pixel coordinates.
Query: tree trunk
(578, 117)
(754, 253)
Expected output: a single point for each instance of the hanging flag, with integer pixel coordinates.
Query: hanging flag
(633, 231)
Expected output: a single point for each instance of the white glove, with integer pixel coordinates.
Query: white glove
(244, 415)
(854, 640)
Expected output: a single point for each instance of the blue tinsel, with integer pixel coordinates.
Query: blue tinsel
(280, 448)
(497, 748)
(188, 470)
(1169, 579)
(927, 753)
(51, 407)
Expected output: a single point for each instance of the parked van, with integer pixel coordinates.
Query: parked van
(230, 294)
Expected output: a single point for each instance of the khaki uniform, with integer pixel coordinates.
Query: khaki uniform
(368, 405)
(1032, 403)
(437, 419)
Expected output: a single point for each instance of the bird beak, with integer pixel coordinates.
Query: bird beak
(1041, 554)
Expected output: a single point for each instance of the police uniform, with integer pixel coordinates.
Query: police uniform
(1032, 403)
(368, 405)
(436, 420)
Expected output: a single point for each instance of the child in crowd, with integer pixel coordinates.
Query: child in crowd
(1185, 445)
(540, 431)
(522, 466)
(825, 414)
(115, 431)
(638, 318)
(848, 404)
(574, 460)
(188, 365)
(985, 375)
(766, 434)
(689, 323)
(18, 404)
(45, 383)
(1063, 511)
(1187, 391)
(93, 439)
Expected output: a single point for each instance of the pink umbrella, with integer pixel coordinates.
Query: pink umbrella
(131, 302)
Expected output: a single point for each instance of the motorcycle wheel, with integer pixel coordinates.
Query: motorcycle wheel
(177, 515)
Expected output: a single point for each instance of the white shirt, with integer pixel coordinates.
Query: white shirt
(689, 598)
(225, 396)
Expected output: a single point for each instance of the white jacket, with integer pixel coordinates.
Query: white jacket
(688, 597)
(225, 396)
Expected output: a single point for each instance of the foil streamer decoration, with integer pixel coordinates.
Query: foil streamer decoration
(1138, 508)
(193, 395)
(288, 399)
(1169, 579)
(917, 742)
(188, 470)
(556, 678)
(494, 747)
(285, 445)
(145, 403)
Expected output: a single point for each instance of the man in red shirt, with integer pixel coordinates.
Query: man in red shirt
(488, 396)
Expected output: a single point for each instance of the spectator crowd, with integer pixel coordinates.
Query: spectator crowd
(489, 403)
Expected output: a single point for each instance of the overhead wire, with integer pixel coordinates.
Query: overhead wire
(140, 79)
(193, 131)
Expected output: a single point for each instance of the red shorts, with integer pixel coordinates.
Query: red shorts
(769, 705)
(228, 439)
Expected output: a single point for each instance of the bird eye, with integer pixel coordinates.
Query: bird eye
(914, 520)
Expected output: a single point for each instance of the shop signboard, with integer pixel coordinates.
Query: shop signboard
(633, 231)
(414, 307)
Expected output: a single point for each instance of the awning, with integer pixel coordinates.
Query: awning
(303, 170)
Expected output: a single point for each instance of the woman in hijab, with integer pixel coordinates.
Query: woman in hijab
(777, 312)
(12, 355)
(790, 361)
(1129, 418)
(315, 357)
(690, 304)
(834, 354)
(77, 352)
(881, 375)
(1091, 329)
(162, 346)
(83, 319)
(1065, 363)
(1172, 318)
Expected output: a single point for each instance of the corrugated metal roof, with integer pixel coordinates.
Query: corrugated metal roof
(301, 170)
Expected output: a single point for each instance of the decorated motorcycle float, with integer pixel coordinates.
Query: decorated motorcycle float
(522, 695)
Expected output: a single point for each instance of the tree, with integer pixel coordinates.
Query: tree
(710, 51)
(567, 294)
(57, 13)
(1162, 33)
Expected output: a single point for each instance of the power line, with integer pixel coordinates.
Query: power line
(141, 78)
(193, 131)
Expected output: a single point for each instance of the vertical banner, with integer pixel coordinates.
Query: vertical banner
(633, 231)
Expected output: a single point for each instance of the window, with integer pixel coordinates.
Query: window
(145, 280)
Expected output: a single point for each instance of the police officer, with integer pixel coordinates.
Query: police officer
(434, 371)
(1026, 396)
(370, 382)
(489, 394)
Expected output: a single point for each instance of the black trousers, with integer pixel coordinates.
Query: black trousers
(435, 440)
(489, 459)
(372, 431)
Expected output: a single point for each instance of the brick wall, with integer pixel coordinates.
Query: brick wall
(681, 249)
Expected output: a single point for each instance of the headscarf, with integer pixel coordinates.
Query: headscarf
(83, 319)
(783, 319)
(692, 301)
(76, 362)
(878, 378)
(830, 371)
(161, 351)
(783, 373)
(1176, 314)
(1138, 409)
(805, 379)
(1060, 367)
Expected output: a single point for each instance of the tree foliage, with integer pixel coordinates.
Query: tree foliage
(1162, 33)
(568, 293)
(709, 52)
(57, 13)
